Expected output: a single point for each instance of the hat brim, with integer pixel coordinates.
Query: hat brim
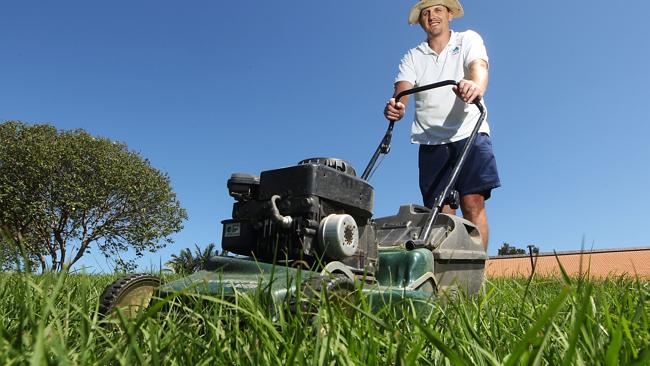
(453, 5)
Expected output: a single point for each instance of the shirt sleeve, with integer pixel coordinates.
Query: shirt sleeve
(473, 48)
(406, 69)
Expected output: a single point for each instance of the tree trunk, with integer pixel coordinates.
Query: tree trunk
(82, 249)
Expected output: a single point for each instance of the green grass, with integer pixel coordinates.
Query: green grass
(53, 319)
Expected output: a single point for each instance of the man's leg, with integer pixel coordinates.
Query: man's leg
(479, 174)
(446, 209)
(473, 207)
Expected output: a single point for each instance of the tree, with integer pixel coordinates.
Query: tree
(186, 262)
(8, 259)
(63, 193)
(506, 249)
(11, 257)
(533, 248)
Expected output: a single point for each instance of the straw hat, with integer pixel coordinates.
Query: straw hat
(453, 5)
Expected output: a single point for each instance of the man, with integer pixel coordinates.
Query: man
(443, 121)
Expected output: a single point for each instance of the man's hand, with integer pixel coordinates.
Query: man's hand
(394, 111)
(467, 90)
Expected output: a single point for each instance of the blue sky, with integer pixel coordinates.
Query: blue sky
(207, 88)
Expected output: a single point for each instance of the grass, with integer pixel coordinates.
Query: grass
(52, 319)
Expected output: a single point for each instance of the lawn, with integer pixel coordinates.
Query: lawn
(53, 319)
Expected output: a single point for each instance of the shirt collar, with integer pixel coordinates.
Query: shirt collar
(424, 46)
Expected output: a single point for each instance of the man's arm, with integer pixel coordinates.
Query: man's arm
(394, 110)
(476, 86)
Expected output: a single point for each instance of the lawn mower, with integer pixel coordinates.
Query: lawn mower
(311, 227)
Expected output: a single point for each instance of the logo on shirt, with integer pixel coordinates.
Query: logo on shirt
(455, 51)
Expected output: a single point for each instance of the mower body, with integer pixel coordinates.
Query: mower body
(314, 219)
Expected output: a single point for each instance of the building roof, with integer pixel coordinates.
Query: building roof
(598, 263)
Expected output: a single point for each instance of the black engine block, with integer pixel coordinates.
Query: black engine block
(316, 212)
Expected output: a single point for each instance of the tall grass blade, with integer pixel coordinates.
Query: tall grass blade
(532, 335)
(436, 340)
(614, 347)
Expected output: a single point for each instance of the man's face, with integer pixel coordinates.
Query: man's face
(435, 19)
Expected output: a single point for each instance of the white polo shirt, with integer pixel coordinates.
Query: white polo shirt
(440, 116)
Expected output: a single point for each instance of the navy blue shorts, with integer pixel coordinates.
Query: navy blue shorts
(478, 175)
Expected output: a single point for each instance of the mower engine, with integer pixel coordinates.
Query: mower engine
(313, 213)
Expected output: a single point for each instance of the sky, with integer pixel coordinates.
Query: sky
(204, 89)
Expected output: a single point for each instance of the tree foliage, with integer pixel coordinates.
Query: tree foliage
(187, 262)
(65, 192)
(507, 249)
(8, 259)
(12, 257)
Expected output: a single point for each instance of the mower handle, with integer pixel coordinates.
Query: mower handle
(425, 233)
(384, 145)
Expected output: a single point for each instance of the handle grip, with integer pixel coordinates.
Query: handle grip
(384, 145)
(418, 89)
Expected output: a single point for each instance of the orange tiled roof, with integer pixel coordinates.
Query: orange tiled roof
(599, 263)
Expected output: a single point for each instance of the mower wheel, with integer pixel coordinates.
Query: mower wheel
(129, 294)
